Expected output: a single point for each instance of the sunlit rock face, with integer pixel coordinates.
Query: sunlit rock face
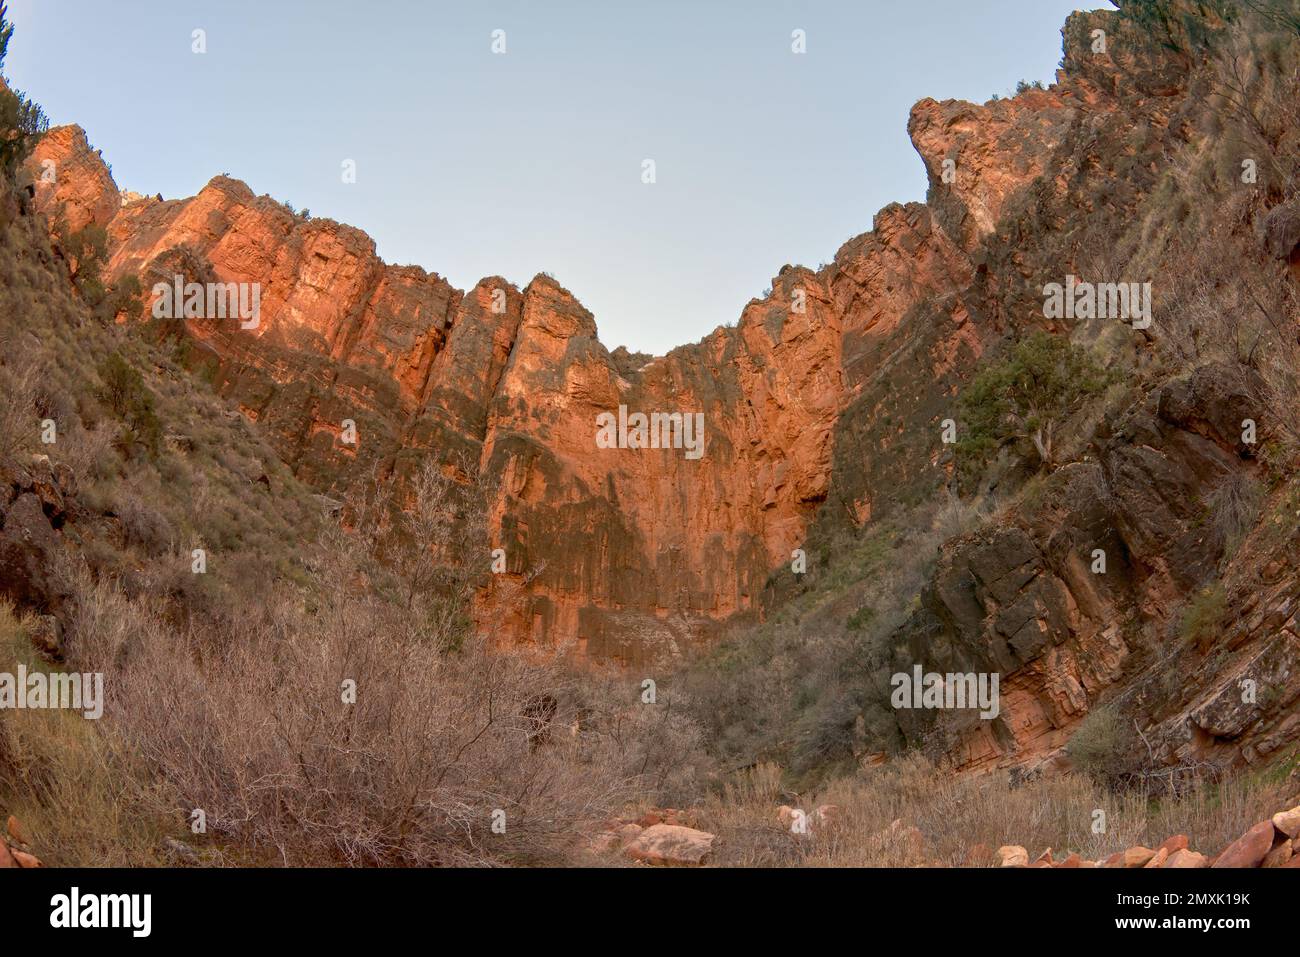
(625, 552)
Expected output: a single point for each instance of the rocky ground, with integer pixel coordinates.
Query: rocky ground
(669, 838)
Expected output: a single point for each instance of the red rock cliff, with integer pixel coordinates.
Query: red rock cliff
(640, 551)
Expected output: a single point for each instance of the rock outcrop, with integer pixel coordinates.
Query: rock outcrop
(639, 550)
(72, 181)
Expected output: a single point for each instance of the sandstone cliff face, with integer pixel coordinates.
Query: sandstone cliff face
(72, 180)
(984, 155)
(639, 551)
(821, 408)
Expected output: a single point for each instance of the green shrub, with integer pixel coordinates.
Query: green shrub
(126, 394)
(1103, 746)
(1020, 399)
(1203, 617)
(88, 248)
(861, 618)
(126, 296)
(21, 121)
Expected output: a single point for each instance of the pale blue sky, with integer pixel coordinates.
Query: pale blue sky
(473, 164)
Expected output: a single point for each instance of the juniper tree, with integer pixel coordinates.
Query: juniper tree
(1021, 399)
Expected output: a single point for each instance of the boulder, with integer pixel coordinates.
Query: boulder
(1137, 856)
(627, 833)
(1176, 843)
(26, 860)
(27, 547)
(1282, 230)
(1280, 855)
(1012, 855)
(17, 831)
(66, 479)
(46, 488)
(671, 845)
(1185, 859)
(6, 859)
(1158, 859)
(908, 837)
(1288, 822)
(1250, 849)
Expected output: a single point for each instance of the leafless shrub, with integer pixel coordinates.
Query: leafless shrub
(19, 422)
(956, 516)
(1234, 508)
(143, 525)
(353, 721)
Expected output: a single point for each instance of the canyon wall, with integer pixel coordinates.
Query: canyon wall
(822, 408)
(627, 552)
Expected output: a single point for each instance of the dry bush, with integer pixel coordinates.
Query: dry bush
(1234, 508)
(428, 537)
(956, 516)
(88, 452)
(253, 728)
(248, 716)
(19, 422)
(657, 745)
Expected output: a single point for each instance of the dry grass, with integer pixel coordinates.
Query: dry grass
(956, 813)
(74, 786)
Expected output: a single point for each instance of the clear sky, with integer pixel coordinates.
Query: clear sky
(471, 163)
